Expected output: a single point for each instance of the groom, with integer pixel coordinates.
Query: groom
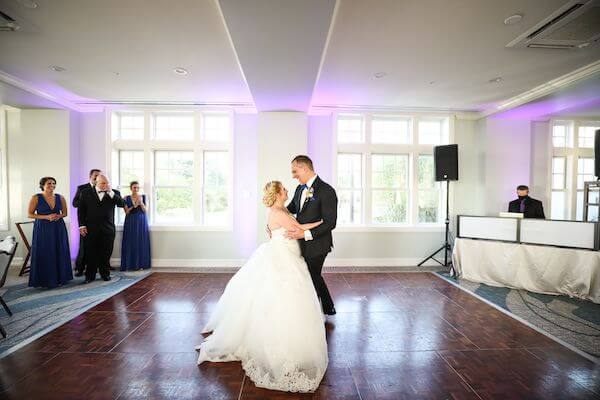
(314, 200)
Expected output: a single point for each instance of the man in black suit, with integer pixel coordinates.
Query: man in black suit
(80, 261)
(314, 200)
(96, 214)
(531, 208)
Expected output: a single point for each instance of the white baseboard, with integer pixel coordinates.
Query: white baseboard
(177, 263)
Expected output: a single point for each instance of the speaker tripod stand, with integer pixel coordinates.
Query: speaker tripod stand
(446, 246)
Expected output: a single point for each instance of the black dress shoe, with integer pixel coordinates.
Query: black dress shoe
(330, 312)
(86, 281)
(106, 278)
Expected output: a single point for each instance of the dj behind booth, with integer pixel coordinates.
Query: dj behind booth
(521, 249)
(529, 207)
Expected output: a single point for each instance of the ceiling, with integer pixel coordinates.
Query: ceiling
(283, 54)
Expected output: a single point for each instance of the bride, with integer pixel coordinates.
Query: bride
(269, 316)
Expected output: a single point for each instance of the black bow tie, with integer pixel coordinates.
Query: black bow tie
(103, 191)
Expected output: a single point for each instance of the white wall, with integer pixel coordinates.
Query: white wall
(281, 137)
(540, 163)
(505, 146)
(39, 144)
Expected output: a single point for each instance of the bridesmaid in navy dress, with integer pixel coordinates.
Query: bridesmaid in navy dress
(50, 256)
(135, 248)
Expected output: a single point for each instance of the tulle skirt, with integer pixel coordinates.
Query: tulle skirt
(270, 319)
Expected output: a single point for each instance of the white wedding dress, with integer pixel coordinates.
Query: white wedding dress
(270, 319)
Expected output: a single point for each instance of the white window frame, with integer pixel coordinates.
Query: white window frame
(572, 153)
(413, 149)
(198, 146)
(4, 217)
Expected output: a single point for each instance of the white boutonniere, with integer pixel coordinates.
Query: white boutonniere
(310, 194)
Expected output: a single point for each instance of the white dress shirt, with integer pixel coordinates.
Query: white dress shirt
(101, 194)
(307, 234)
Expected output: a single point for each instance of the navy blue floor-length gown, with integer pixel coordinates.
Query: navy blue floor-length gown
(50, 256)
(135, 247)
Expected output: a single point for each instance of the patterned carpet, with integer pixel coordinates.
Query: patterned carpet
(37, 311)
(576, 322)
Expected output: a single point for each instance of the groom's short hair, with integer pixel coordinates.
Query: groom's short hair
(304, 160)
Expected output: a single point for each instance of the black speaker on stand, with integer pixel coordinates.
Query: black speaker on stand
(445, 159)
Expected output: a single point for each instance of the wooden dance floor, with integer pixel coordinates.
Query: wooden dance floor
(396, 336)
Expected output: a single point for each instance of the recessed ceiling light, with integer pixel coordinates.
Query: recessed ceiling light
(180, 71)
(495, 80)
(380, 75)
(57, 68)
(28, 3)
(431, 82)
(513, 19)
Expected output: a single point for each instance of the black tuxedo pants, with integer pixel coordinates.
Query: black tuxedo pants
(80, 260)
(315, 265)
(98, 250)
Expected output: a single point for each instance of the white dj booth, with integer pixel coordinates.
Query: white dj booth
(543, 256)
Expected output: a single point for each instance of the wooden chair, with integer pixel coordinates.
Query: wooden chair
(8, 248)
(25, 267)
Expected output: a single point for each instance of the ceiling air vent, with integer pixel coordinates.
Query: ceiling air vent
(574, 25)
(8, 24)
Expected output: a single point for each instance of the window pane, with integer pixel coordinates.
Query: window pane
(432, 132)
(349, 171)
(131, 127)
(389, 206)
(174, 205)
(131, 167)
(585, 171)
(174, 168)
(559, 136)
(558, 181)
(216, 127)
(562, 134)
(349, 206)
(429, 191)
(390, 130)
(350, 129)
(427, 173)
(586, 136)
(558, 205)
(429, 205)
(216, 202)
(174, 127)
(558, 165)
(390, 171)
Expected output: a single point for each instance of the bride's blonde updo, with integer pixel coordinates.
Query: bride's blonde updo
(270, 192)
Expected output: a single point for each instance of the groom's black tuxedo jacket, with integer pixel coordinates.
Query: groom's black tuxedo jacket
(98, 216)
(322, 206)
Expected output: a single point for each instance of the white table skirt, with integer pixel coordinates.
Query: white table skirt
(539, 269)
